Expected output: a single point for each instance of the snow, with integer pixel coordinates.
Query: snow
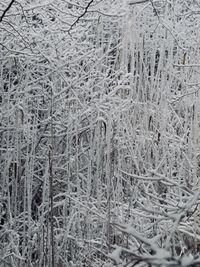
(115, 255)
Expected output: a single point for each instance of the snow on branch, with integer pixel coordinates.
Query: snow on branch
(157, 256)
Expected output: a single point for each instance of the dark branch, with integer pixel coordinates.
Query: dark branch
(83, 14)
(155, 10)
(135, 2)
(6, 10)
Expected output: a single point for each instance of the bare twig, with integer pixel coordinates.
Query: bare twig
(6, 10)
(135, 2)
(83, 14)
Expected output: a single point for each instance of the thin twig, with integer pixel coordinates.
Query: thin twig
(6, 10)
(83, 14)
(135, 2)
(165, 26)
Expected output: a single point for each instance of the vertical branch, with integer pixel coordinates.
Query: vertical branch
(51, 182)
(108, 180)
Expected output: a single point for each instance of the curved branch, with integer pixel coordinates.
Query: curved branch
(6, 10)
